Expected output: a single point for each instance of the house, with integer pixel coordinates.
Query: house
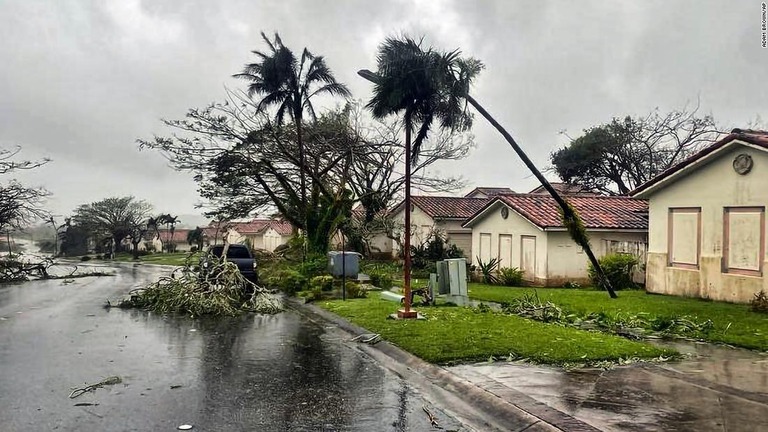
(707, 221)
(265, 234)
(526, 231)
(157, 240)
(443, 215)
(488, 192)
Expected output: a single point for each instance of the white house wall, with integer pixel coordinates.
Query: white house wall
(516, 226)
(569, 263)
(423, 225)
(711, 187)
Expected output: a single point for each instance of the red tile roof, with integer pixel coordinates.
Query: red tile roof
(754, 137)
(490, 191)
(442, 207)
(564, 188)
(597, 212)
(282, 227)
(257, 226)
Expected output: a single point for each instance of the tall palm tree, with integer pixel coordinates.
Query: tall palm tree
(290, 84)
(453, 76)
(412, 81)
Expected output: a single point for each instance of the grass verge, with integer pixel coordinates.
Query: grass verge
(733, 324)
(455, 334)
(175, 258)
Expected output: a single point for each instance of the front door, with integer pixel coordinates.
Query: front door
(528, 257)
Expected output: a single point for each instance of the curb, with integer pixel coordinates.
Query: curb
(483, 407)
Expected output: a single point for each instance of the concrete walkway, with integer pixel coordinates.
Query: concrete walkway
(715, 388)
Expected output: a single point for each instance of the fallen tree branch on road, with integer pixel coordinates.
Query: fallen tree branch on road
(217, 288)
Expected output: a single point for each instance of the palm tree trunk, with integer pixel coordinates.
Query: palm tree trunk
(407, 204)
(560, 201)
(302, 183)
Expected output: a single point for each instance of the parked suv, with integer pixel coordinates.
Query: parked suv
(240, 255)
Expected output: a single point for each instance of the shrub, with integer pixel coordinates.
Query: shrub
(511, 276)
(85, 258)
(488, 270)
(381, 280)
(323, 283)
(760, 302)
(315, 265)
(193, 249)
(572, 284)
(354, 290)
(287, 280)
(618, 268)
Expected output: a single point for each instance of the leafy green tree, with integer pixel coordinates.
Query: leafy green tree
(414, 82)
(290, 84)
(621, 155)
(195, 237)
(452, 76)
(112, 218)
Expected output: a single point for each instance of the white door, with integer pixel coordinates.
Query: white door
(485, 247)
(528, 257)
(505, 250)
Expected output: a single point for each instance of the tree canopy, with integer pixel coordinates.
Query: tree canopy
(618, 156)
(114, 218)
(19, 204)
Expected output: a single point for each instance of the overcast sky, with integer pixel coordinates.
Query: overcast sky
(81, 80)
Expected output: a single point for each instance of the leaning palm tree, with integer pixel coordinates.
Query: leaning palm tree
(412, 81)
(290, 84)
(454, 75)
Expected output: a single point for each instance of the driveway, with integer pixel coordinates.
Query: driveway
(264, 373)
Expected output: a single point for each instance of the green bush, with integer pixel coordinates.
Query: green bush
(287, 280)
(85, 258)
(314, 265)
(618, 268)
(489, 270)
(354, 290)
(760, 302)
(381, 280)
(511, 276)
(323, 283)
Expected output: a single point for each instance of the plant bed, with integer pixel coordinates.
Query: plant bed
(733, 324)
(457, 334)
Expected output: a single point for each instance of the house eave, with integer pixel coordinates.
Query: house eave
(644, 192)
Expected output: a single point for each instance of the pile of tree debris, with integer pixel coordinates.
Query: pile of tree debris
(214, 287)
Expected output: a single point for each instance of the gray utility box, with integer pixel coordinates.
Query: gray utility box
(457, 276)
(340, 263)
(443, 280)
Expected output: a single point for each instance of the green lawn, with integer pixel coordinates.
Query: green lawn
(733, 324)
(176, 258)
(452, 334)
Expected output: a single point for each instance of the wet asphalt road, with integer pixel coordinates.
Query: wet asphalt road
(252, 373)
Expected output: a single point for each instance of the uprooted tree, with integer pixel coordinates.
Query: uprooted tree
(618, 156)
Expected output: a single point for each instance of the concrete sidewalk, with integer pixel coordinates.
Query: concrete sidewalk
(715, 389)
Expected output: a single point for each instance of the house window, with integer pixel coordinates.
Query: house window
(684, 237)
(743, 240)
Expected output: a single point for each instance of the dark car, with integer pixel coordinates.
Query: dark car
(240, 255)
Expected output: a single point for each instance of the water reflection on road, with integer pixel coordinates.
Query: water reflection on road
(255, 372)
